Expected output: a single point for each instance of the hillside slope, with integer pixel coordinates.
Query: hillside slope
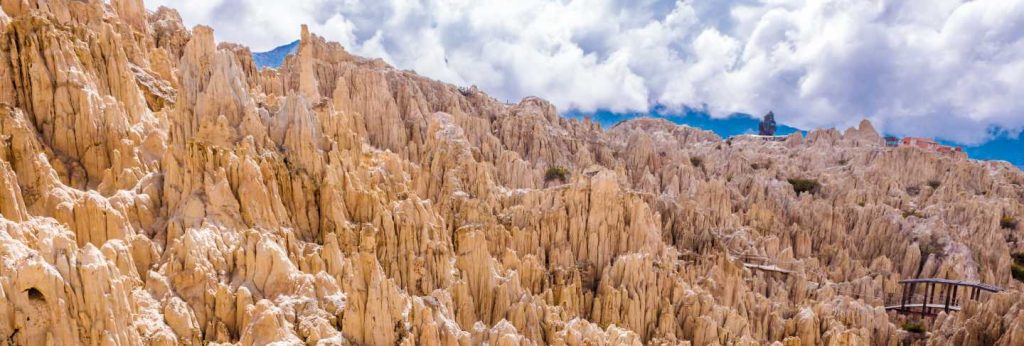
(157, 188)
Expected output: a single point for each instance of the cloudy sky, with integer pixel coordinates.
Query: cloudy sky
(947, 68)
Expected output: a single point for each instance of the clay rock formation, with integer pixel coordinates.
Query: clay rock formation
(157, 188)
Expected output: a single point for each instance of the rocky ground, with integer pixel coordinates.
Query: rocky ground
(156, 188)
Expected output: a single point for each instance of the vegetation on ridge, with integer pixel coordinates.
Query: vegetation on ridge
(805, 185)
(556, 173)
(1017, 267)
(913, 327)
(1008, 222)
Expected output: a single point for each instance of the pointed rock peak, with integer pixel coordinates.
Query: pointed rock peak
(306, 42)
(867, 130)
(196, 65)
(865, 133)
(202, 39)
(200, 48)
(305, 33)
(865, 125)
(308, 84)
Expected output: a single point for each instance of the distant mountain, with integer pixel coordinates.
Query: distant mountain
(275, 57)
(735, 124)
(1003, 147)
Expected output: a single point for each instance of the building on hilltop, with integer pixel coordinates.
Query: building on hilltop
(923, 143)
(929, 144)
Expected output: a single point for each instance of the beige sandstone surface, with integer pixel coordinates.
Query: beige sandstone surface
(156, 188)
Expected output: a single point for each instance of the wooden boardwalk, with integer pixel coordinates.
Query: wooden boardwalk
(939, 294)
(945, 293)
(762, 263)
(767, 268)
(919, 306)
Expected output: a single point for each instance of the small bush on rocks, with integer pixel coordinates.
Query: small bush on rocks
(556, 173)
(697, 162)
(805, 185)
(913, 327)
(1008, 222)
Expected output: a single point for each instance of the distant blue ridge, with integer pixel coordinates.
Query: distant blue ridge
(275, 57)
(733, 125)
(1002, 147)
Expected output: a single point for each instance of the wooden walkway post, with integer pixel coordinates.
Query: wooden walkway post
(955, 296)
(949, 297)
(935, 289)
(907, 294)
(929, 288)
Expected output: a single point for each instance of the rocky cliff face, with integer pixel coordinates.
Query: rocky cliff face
(157, 188)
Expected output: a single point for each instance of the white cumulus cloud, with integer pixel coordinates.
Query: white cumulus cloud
(946, 68)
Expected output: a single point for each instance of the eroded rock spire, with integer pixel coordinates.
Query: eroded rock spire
(156, 188)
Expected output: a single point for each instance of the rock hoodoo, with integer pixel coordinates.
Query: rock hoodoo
(157, 188)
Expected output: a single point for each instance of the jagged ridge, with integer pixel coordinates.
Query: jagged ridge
(157, 188)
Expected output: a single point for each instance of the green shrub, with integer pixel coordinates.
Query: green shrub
(556, 173)
(843, 162)
(1017, 267)
(1017, 270)
(805, 185)
(697, 162)
(934, 184)
(913, 327)
(1008, 222)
